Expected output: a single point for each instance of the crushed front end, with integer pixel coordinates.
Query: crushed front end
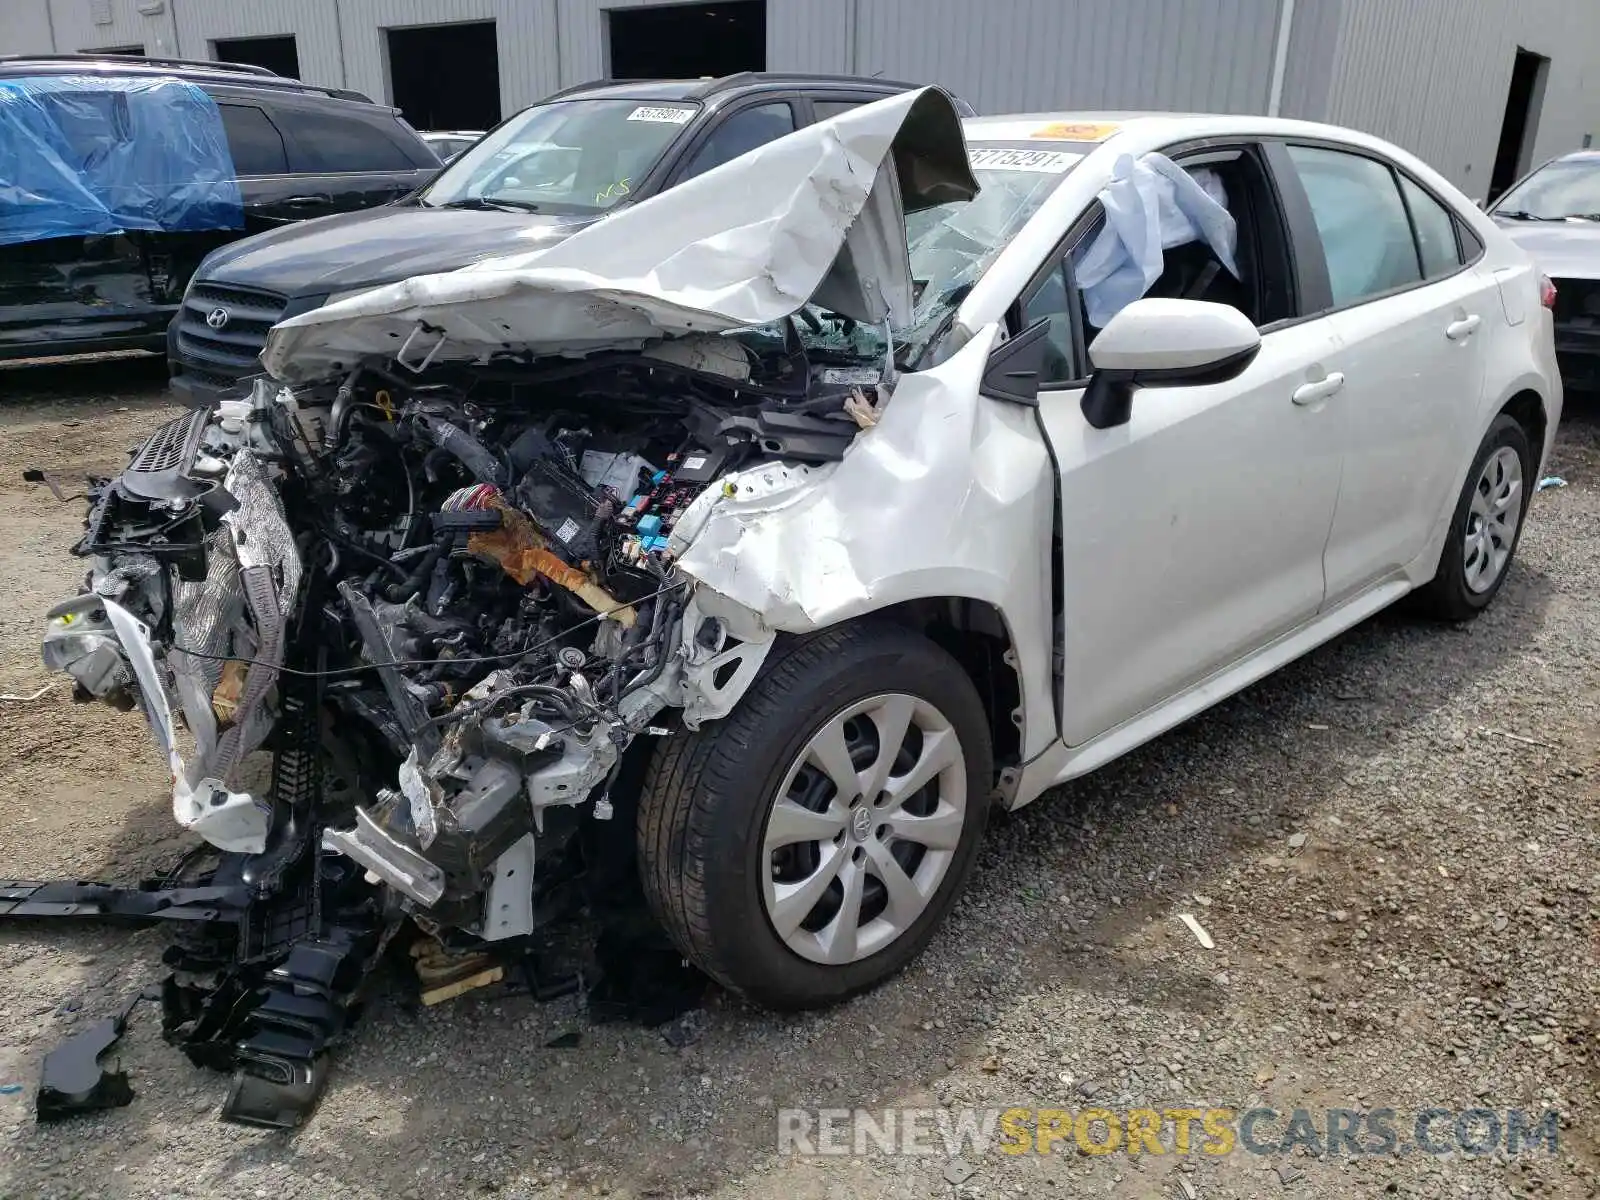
(397, 619)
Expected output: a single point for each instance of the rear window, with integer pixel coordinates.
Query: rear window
(330, 142)
(254, 141)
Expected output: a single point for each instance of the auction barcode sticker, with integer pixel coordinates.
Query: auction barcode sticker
(568, 530)
(1046, 162)
(662, 116)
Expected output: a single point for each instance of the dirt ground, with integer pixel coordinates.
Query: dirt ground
(1392, 843)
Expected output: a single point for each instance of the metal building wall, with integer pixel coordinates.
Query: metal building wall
(1010, 55)
(315, 24)
(97, 24)
(25, 28)
(1432, 76)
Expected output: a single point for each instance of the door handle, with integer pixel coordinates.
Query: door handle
(304, 201)
(1310, 393)
(1460, 330)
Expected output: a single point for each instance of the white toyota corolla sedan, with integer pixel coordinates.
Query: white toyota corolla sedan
(893, 470)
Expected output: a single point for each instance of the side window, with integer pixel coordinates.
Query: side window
(1436, 232)
(739, 134)
(1051, 300)
(1361, 221)
(254, 141)
(832, 108)
(327, 142)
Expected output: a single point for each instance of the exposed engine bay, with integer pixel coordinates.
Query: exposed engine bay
(404, 621)
(395, 633)
(481, 569)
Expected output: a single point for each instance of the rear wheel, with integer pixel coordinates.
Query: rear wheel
(805, 848)
(1486, 525)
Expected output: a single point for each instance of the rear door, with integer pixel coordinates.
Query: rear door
(1410, 314)
(346, 158)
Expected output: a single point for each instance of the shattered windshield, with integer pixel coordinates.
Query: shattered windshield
(573, 156)
(952, 245)
(1568, 188)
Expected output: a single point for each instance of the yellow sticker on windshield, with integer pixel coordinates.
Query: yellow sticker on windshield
(1077, 131)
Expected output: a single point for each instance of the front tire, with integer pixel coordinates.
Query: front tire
(1486, 525)
(804, 848)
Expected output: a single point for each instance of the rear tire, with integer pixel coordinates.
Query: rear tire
(1485, 527)
(779, 846)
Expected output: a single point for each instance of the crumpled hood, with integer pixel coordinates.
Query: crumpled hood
(1569, 250)
(364, 249)
(819, 215)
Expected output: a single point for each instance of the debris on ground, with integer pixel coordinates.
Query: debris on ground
(29, 698)
(1200, 934)
(958, 1170)
(72, 1080)
(1551, 481)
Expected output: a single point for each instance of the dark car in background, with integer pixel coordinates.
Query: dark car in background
(297, 151)
(537, 178)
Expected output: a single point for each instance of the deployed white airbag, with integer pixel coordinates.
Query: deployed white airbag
(1151, 204)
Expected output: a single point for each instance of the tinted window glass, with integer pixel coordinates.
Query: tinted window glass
(832, 108)
(255, 142)
(1436, 231)
(739, 134)
(1051, 302)
(331, 142)
(1361, 220)
(91, 122)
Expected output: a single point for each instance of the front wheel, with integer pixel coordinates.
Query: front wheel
(1486, 525)
(805, 848)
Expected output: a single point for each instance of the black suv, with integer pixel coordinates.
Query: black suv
(298, 151)
(537, 178)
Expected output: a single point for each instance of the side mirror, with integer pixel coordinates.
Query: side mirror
(1154, 343)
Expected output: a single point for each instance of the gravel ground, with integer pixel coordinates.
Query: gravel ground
(1392, 844)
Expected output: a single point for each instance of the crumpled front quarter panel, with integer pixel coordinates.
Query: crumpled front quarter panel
(950, 494)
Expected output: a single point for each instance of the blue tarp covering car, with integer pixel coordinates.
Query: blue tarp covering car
(84, 155)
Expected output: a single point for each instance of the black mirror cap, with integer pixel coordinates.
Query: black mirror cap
(1014, 367)
(1108, 400)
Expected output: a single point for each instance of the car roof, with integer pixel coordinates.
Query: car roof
(197, 71)
(1592, 156)
(1141, 131)
(728, 85)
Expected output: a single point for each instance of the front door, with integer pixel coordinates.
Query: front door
(1193, 534)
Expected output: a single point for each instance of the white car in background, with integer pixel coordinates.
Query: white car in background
(989, 488)
(449, 143)
(1554, 214)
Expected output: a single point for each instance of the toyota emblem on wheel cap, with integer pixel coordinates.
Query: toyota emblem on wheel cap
(217, 318)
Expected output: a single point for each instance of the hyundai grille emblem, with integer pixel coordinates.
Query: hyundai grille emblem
(217, 318)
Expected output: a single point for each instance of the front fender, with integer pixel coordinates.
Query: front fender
(949, 494)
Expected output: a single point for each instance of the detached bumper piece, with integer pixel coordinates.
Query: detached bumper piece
(74, 1082)
(269, 955)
